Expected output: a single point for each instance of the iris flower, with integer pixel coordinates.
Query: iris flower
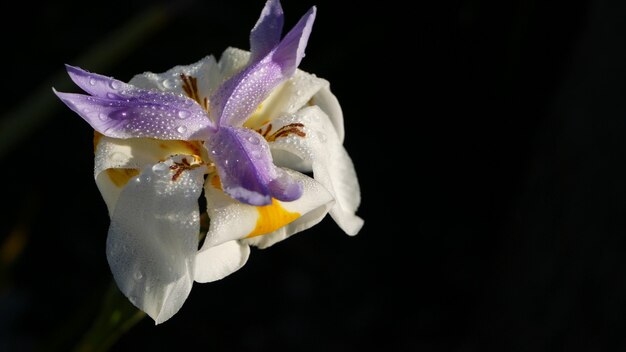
(248, 130)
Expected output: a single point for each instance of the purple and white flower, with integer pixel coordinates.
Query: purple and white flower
(245, 130)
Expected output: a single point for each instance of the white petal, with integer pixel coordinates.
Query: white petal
(117, 160)
(289, 97)
(330, 162)
(153, 239)
(206, 71)
(217, 262)
(329, 104)
(232, 220)
(232, 61)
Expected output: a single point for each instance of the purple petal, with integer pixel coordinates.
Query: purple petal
(266, 32)
(237, 98)
(121, 110)
(95, 84)
(290, 51)
(246, 170)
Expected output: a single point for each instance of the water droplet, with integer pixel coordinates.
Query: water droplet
(160, 169)
(102, 116)
(226, 162)
(256, 154)
(322, 136)
(114, 85)
(138, 275)
(118, 115)
(181, 129)
(92, 81)
(183, 114)
(111, 96)
(254, 140)
(118, 158)
(215, 152)
(168, 83)
(298, 92)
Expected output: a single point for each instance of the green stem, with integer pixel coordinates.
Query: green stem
(116, 317)
(18, 123)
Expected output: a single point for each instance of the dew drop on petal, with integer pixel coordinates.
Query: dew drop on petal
(92, 81)
(138, 275)
(111, 96)
(181, 129)
(168, 83)
(118, 158)
(114, 85)
(160, 168)
(253, 139)
(322, 136)
(102, 116)
(183, 114)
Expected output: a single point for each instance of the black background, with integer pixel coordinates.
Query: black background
(489, 141)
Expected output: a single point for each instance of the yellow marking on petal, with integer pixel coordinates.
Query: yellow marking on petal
(216, 183)
(181, 147)
(271, 218)
(254, 121)
(120, 177)
(96, 139)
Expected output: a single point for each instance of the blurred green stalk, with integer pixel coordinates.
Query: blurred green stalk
(18, 123)
(117, 316)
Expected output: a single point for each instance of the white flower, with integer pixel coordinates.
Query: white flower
(164, 138)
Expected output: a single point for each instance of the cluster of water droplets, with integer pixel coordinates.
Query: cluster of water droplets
(144, 113)
(227, 219)
(300, 88)
(254, 85)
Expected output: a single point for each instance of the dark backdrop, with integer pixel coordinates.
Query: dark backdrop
(489, 142)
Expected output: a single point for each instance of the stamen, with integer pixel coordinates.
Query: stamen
(264, 134)
(190, 86)
(290, 129)
(180, 167)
